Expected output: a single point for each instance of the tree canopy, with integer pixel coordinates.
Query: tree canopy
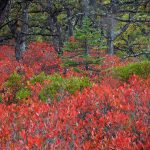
(124, 24)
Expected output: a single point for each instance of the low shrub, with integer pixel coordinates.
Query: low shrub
(39, 78)
(59, 87)
(101, 117)
(14, 81)
(74, 84)
(23, 93)
(14, 89)
(141, 69)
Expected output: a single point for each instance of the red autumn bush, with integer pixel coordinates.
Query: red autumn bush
(39, 57)
(42, 57)
(7, 62)
(7, 67)
(109, 115)
(103, 117)
(7, 52)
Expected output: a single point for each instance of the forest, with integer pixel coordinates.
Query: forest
(74, 74)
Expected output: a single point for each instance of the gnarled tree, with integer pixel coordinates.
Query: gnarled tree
(4, 7)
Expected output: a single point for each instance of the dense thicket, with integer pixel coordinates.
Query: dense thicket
(63, 84)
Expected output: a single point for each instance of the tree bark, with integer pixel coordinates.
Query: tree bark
(70, 26)
(21, 32)
(110, 35)
(25, 19)
(55, 27)
(4, 7)
(85, 7)
(18, 46)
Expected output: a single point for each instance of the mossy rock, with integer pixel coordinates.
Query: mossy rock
(141, 69)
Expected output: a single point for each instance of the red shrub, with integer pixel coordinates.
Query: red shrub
(7, 52)
(110, 115)
(103, 117)
(42, 57)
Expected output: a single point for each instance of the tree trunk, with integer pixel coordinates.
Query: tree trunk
(21, 31)
(111, 26)
(18, 46)
(86, 53)
(55, 28)
(59, 44)
(70, 26)
(110, 35)
(4, 8)
(85, 7)
(24, 25)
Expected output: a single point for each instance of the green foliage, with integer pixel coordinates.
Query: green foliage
(89, 34)
(51, 90)
(133, 40)
(14, 80)
(147, 56)
(55, 77)
(16, 85)
(71, 46)
(85, 38)
(39, 78)
(141, 69)
(120, 54)
(85, 33)
(22, 93)
(61, 86)
(78, 70)
(75, 83)
(68, 63)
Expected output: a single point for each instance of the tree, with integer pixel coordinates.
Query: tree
(81, 44)
(18, 25)
(56, 20)
(4, 8)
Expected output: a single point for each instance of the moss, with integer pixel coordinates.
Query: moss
(141, 69)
